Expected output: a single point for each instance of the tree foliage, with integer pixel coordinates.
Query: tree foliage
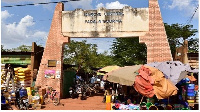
(177, 33)
(2, 49)
(85, 56)
(193, 45)
(23, 48)
(128, 51)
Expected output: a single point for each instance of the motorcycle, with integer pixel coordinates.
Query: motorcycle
(22, 101)
(77, 90)
(73, 93)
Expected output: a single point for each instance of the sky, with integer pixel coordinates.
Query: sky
(27, 24)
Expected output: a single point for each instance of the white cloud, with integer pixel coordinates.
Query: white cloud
(112, 5)
(15, 34)
(100, 5)
(187, 6)
(5, 15)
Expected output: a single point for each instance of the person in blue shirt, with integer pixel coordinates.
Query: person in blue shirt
(93, 79)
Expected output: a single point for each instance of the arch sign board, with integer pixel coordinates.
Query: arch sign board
(145, 23)
(126, 22)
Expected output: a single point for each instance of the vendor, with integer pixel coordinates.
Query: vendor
(108, 89)
(10, 76)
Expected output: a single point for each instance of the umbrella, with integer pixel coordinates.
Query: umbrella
(151, 81)
(123, 75)
(106, 69)
(173, 70)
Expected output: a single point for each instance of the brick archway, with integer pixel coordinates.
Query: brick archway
(155, 39)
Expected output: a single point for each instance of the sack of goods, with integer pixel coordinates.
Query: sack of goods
(23, 76)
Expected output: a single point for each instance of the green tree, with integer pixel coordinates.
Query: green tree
(83, 55)
(23, 48)
(128, 51)
(105, 60)
(2, 49)
(177, 33)
(193, 45)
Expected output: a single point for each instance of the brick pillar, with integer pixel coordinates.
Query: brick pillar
(156, 39)
(53, 51)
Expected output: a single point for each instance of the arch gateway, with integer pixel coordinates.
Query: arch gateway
(145, 23)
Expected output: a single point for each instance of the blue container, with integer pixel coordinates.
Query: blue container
(191, 86)
(191, 94)
(23, 92)
(190, 91)
(3, 100)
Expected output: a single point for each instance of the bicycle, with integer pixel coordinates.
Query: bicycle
(53, 95)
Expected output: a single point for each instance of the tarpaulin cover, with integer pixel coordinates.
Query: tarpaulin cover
(151, 81)
(107, 69)
(143, 82)
(173, 70)
(123, 75)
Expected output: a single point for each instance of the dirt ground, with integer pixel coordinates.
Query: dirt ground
(92, 103)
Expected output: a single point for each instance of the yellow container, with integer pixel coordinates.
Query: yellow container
(41, 100)
(108, 98)
(190, 101)
(108, 106)
(28, 90)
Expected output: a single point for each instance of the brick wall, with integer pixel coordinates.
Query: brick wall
(53, 51)
(156, 39)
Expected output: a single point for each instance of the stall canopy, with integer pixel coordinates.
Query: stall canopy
(151, 81)
(123, 75)
(107, 69)
(173, 70)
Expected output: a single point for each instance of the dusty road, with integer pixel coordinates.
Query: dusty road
(92, 103)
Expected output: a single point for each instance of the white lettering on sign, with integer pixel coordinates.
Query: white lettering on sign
(103, 22)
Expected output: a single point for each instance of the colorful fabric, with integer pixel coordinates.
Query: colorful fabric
(151, 81)
(173, 70)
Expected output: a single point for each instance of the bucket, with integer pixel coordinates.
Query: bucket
(108, 98)
(191, 94)
(191, 86)
(28, 90)
(148, 105)
(41, 100)
(190, 101)
(190, 97)
(190, 90)
(108, 106)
